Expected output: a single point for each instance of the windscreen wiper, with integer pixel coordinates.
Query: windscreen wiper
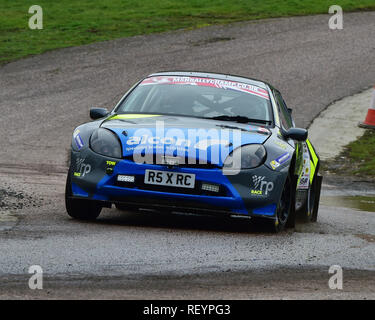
(240, 119)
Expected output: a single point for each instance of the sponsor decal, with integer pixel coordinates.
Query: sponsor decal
(170, 161)
(146, 139)
(279, 161)
(132, 116)
(280, 144)
(283, 158)
(274, 165)
(208, 82)
(262, 130)
(304, 179)
(78, 140)
(303, 182)
(260, 186)
(110, 165)
(179, 142)
(82, 168)
(204, 144)
(305, 151)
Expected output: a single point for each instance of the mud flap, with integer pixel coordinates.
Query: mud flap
(319, 180)
(292, 215)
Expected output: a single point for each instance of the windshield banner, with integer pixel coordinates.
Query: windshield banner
(208, 82)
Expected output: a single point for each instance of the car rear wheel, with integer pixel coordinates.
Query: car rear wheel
(309, 211)
(80, 209)
(310, 202)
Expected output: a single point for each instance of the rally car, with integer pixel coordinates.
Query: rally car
(196, 142)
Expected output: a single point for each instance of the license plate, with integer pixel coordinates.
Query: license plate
(172, 179)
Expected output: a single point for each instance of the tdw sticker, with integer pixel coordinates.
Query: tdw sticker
(78, 140)
(261, 187)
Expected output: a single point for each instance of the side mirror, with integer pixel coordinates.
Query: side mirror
(297, 134)
(97, 113)
(290, 111)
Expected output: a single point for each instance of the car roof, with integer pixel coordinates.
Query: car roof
(220, 76)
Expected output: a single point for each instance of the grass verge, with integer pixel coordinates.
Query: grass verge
(357, 160)
(72, 23)
(362, 154)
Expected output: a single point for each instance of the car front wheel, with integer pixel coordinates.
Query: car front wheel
(80, 209)
(284, 208)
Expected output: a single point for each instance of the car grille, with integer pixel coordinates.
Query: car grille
(182, 164)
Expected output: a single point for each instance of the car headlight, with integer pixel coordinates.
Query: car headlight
(105, 142)
(246, 157)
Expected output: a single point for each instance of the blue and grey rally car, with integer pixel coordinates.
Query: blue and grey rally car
(200, 143)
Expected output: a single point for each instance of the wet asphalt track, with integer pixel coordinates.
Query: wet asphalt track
(143, 255)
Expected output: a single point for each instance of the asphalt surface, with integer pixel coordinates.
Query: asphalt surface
(136, 255)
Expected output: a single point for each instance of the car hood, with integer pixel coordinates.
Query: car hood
(206, 141)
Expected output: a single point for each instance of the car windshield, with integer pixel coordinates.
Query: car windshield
(199, 97)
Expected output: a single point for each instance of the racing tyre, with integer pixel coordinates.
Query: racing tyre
(79, 208)
(309, 212)
(315, 208)
(284, 211)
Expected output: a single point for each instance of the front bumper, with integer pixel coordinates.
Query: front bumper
(239, 194)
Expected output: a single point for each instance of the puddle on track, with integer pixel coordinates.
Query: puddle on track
(363, 203)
